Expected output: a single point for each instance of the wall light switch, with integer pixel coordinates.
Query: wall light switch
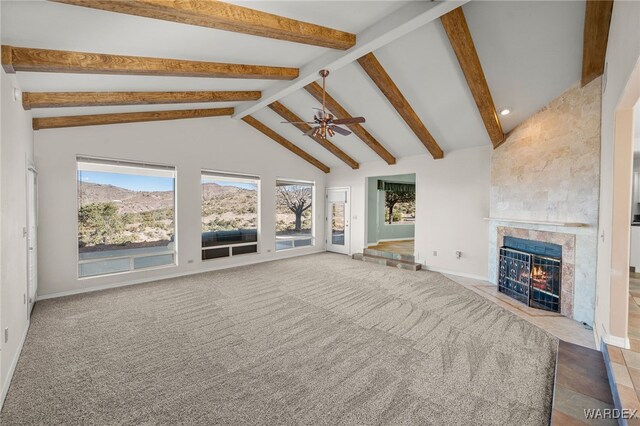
(435, 253)
(6, 334)
(190, 261)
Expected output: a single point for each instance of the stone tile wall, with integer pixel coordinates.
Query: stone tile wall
(548, 169)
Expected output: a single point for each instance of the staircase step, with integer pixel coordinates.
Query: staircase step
(389, 255)
(400, 264)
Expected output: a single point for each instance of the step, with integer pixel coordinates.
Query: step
(400, 264)
(389, 255)
(581, 383)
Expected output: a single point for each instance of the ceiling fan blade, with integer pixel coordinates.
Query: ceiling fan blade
(343, 132)
(310, 131)
(298, 122)
(352, 120)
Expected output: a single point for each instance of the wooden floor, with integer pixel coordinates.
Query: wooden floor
(405, 247)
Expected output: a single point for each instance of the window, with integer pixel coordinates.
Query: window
(399, 202)
(126, 216)
(229, 214)
(400, 208)
(294, 214)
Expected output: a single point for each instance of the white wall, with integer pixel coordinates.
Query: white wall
(16, 148)
(191, 145)
(623, 52)
(452, 198)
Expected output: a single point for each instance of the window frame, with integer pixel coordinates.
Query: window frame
(131, 163)
(313, 214)
(251, 177)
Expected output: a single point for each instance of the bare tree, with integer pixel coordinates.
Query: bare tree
(296, 198)
(391, 198)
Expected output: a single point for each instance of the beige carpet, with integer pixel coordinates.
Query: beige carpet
(319, 340)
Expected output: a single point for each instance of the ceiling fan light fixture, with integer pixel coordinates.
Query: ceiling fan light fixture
(324, 120)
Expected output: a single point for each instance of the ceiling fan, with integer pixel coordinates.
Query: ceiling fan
(325, 123)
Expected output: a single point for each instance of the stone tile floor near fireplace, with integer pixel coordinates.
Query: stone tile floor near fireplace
(560, 326)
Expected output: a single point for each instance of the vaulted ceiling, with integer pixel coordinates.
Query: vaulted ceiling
(530, 53)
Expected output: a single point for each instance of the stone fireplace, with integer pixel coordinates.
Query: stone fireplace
(566, 244)
(545, 182)
(531, 272)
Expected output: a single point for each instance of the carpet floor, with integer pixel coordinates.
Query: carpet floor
(318, 339)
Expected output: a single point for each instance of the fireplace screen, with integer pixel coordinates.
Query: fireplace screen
(530, 278)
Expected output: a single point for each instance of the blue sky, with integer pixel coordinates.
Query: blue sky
(131, 182)
(145, 183)
(251, 186)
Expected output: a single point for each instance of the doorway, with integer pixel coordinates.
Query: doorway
(337, 220)
(32, 237)
(391, 213)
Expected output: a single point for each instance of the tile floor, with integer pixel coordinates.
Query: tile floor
(625, 363)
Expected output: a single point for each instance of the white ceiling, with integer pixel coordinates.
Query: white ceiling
(530, 51)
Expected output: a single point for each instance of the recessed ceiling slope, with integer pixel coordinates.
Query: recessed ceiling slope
(531, 52)
(424, 67)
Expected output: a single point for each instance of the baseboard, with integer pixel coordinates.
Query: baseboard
(459, 274)
(12, 368)
(596, 338)
(621, 342)
(169, 276)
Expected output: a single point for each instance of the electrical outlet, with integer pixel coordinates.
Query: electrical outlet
(268, 250)
(435, 253)
(24, 299)
(190, 261)
(458, 254)
(6, 334)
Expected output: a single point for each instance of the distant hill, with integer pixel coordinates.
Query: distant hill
(128, 201)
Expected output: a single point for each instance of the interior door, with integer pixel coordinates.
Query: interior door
(32, 237)
(338, 214)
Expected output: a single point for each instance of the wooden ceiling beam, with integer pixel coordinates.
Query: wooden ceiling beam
(288, 115)
(596, 35)
(388, 29)
(315, 90)
(228, 17)
(60, 61)
(285, 143)
(81, 99)
(455, 25)
(379, 76)
(129, 117)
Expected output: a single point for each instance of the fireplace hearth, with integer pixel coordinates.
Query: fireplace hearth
(531, 272)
